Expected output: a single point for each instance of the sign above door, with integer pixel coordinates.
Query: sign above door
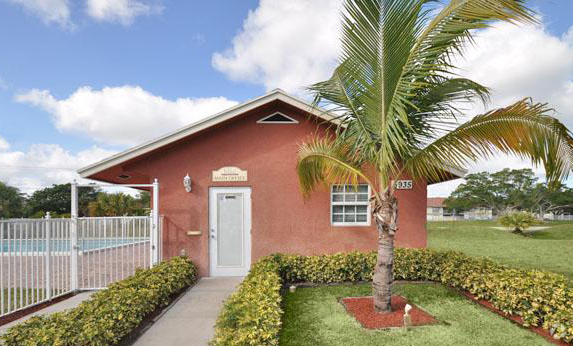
(229, 174)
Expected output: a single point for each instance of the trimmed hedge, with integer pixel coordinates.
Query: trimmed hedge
(252, 314)
(110, 314)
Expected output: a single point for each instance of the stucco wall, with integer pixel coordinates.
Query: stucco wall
(281, 220)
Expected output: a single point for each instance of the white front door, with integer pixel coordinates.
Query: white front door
(230, 231)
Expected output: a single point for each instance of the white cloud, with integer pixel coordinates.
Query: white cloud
(284, 44)
(4, 144)
(289, 44)
(50, 11)
(121, 11)
(42, 165)
(518, 62)
(125, 115)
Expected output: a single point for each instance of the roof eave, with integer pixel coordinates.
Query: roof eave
(202, 124)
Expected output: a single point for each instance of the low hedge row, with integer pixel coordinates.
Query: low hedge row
(540, 298)
(252, 314)
(110, 314)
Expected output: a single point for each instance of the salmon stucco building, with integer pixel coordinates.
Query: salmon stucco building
(229, 192)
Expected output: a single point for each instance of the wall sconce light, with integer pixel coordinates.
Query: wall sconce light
(187, 183)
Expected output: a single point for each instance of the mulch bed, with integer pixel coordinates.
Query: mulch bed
(516, 319)
(362, 308)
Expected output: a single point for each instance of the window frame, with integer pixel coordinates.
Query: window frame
(343, 223)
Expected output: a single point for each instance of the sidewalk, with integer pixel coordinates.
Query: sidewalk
(191, 319)
(69, 303)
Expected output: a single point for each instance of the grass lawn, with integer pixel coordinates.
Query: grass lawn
(315, 317)
(549, 249)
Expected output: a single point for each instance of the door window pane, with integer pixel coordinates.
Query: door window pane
(230, 229)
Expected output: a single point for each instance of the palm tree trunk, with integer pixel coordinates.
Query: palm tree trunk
(385, 216)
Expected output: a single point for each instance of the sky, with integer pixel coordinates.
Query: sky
(82, 80)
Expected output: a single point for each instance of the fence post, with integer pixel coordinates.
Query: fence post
(74, 239)
(48, 255)
(155, 224)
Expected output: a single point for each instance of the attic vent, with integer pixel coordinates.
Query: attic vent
(277, 118)
(124, 176)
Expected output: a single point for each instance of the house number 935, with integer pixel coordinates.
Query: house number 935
(404, 184)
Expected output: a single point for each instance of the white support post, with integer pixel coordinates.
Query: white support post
(155, 225)
(48, 255)
(74, 239)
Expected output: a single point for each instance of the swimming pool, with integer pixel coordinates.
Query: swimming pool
(15, 246)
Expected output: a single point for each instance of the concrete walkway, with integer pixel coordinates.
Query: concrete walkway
(69, 303)
(191, 319)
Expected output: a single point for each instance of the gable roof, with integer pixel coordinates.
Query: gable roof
(275, 95)
(202, 124)
(436, 202)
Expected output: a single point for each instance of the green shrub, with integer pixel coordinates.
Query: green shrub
(252, 314)
(518, 220)
(110, 314)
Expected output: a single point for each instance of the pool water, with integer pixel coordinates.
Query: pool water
(63, 245)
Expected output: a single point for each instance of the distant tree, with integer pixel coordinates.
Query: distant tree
(557, 200)
(57, 199)
(144, 200)
(11, 202)
(500, 191)
(119, 204)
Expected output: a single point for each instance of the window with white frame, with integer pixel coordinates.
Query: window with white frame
(349, 205)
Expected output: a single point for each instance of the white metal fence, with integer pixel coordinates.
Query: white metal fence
(32, 262)
(438, 217)
(41, 259)
(561, 217)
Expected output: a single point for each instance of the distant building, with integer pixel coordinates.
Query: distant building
(436, 211)
(435, 208)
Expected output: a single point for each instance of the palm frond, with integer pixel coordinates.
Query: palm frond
(437, 107)
(325, 161)
(446, 35)
(524, 129)
(377, 37)
(451, 30)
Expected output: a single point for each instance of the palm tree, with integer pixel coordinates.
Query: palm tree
(397, 97)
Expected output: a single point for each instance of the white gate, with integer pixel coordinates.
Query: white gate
(108, 249)
(111, 248)
(41, 259)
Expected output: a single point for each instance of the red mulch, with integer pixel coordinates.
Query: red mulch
(362, 308)
(517, 319)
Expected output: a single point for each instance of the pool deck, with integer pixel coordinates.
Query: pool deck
(96, 268)
(69, 303)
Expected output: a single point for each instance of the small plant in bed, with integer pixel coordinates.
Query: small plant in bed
(517, 220)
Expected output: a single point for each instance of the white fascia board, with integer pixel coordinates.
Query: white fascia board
(215, 119)
(200, 125)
